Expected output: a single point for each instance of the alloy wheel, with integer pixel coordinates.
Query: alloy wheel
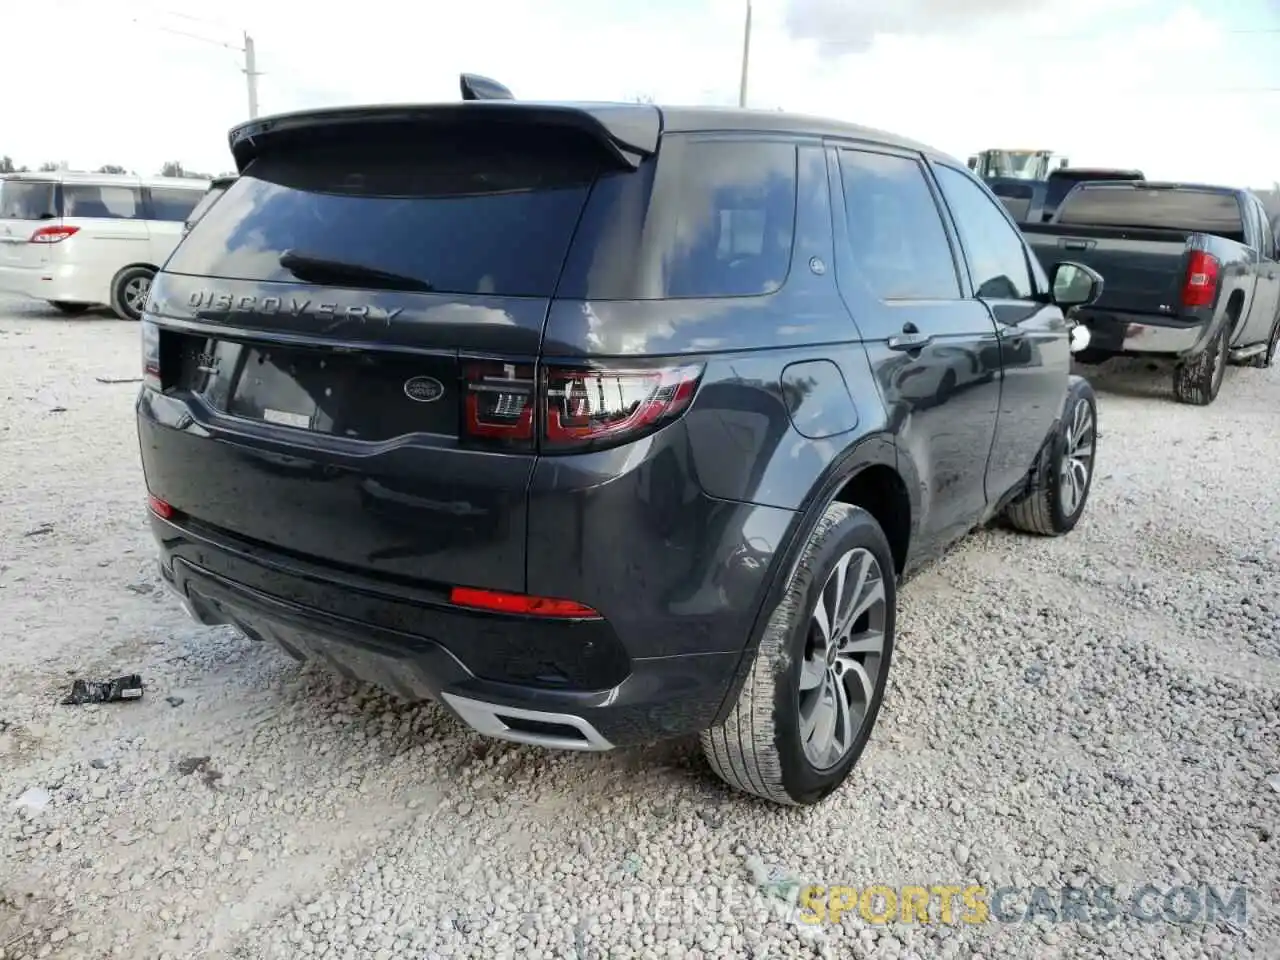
(135, 294)
(1077, 460)
(843, 655)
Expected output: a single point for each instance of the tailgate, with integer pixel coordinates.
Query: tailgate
(346, 345)
(26, 206)
(1141, 273)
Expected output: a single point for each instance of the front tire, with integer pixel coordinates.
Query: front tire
(129, 292)
(1265, 359)
(1057, 503)
(1198, 381)
(808, 706)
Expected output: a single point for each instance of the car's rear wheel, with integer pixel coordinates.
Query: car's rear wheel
(1057, 503)
(807, 708)
(1198, 381)
(70, 309)
(129, 292)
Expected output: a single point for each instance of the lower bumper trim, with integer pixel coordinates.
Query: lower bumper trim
(562, 731)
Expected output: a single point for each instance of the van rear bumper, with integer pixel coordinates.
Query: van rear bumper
(49, 282)
(633, 701)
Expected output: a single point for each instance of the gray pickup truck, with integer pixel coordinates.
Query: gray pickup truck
(1190, 273)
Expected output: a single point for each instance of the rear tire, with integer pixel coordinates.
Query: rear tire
(1265, 359)
(808, 706)
(129, 292)
(1197, 381)
(1056, 506)
(70, 309)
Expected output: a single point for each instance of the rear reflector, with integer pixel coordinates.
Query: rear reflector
(159, 507)
(53, 234)
(519, 603)
(1201, 284)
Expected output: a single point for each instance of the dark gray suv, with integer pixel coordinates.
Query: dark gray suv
(602, 423)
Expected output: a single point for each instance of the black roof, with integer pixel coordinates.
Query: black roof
(631, 129)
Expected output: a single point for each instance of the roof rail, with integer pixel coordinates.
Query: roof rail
(476, 87)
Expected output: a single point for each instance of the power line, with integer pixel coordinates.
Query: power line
(248, 51)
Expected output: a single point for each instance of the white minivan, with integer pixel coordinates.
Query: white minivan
(78, 240)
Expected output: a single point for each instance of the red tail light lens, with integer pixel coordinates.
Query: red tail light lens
(159, 507)
(519, 603)
(598, 407)
(499, 402)
(53, 234)
(1201, 283)
(150, 355)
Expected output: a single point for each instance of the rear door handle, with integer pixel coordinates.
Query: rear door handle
(910, 341)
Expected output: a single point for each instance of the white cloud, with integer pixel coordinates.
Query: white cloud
(1113, 82)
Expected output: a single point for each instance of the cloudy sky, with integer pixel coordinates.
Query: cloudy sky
(1186, 90)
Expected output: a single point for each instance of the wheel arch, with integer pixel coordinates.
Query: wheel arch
(866, 475)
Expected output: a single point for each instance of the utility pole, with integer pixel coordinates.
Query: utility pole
(251, 75)
(746, 57)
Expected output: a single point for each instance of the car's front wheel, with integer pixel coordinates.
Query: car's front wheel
(807, 708)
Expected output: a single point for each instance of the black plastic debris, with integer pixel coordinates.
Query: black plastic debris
(105, 691)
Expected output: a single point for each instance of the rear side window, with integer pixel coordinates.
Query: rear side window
(1202, 211)
(899, 245)
(735, 222)
(469, 212)
(173, 203)
(28, 200)
(102, 202)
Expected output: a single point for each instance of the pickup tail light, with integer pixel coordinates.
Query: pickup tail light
(570, 409)
(1201, 283)
(53, 234)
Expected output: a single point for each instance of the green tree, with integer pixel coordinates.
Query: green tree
(47, 167)
(6, 164)
(111, 168)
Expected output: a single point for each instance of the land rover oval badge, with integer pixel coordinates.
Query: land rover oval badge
(423, 389)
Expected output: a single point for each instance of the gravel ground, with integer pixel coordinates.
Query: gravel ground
(1102, 709)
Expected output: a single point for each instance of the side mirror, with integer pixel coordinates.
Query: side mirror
(1074, 285)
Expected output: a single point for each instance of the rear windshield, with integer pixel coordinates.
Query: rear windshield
(28, 200)
(467, 212)
(1201, 211)
(205, 202)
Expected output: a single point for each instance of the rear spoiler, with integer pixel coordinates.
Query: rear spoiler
(628, 132)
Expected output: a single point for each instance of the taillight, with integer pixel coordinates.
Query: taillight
(499, 402)
(1201, 283)
(598, 407)
(53, 234)
(520, 603)
(159, 507)
(150, 355)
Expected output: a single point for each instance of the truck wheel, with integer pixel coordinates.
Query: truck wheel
(1197, 381)
(806, 710)
(1057, 503)
(1264, 359)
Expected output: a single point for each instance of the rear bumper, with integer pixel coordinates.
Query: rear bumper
(1134, 334)
(650, 698)
(49, 282)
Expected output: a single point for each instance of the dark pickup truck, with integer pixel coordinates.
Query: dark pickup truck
(1036, 201)
(1190, 274)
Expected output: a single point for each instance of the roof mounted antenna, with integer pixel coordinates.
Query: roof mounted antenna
(476, 87)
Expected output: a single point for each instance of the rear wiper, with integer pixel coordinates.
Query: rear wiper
(323, 270)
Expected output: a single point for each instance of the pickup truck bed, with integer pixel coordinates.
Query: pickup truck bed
(1193, 278)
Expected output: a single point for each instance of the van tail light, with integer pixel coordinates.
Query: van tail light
(571, 409)
(522, 604)
(53, 234)
(1201, 283)
(150, 355)
(600, 407)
